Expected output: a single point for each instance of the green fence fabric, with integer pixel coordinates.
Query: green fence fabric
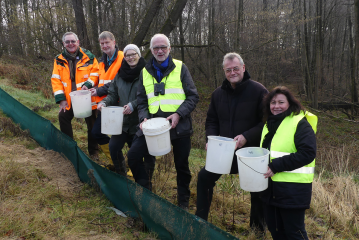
(159, 215)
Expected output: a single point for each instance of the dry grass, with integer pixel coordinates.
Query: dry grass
(37, 204)
(27, 75)
(334, 211)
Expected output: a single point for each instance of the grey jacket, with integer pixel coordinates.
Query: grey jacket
(184, 126)
(121, 93)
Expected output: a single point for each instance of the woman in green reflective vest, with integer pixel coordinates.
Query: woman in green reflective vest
(289, 133)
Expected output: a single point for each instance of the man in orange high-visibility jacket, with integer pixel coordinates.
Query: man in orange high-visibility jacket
(109, 65)
(72, 68)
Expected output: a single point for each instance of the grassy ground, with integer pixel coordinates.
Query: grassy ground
(42, 197)
(334, 212)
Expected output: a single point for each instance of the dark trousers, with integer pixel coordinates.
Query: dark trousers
(66, 127)
(101, 138)
(285, 223)
(116, 144)
(181, 150)
(206, 182)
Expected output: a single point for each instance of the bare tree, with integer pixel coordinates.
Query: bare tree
(81, 24)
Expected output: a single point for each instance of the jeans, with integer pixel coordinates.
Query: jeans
(181, 150)
(66, 127)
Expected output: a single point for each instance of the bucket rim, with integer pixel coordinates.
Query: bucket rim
(113, 107)
(213, 137)
(157, 133)
(79, 91)
(248, 148)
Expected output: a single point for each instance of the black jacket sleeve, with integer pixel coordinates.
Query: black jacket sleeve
(191, 93)
(142, 101)
(101, 91)
(305, 142)
(253, 135)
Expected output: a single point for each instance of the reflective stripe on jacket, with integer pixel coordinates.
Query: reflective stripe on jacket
(110, 74)
(283, 144)
(174, 94)
(86, 71)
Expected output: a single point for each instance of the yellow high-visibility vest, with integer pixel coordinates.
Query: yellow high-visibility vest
(283, 144)
(174, 94)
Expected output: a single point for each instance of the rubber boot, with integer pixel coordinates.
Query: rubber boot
(106, 150)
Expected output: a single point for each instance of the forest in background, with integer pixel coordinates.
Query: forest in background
(313, 45)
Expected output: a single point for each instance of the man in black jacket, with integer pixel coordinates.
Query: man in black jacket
(175, 101)
(235, 112)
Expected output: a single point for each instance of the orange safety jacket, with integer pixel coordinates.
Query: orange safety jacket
(109, 75)
(87, 70)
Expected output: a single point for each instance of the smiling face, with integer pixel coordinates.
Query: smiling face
(132, 58)
(108, 46)
(234, 71)
(160, 49)
(279, 104)
(71, 44)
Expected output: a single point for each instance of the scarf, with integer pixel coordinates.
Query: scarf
(273, 123)
(71, 58)
(161, 68)
(129, 74)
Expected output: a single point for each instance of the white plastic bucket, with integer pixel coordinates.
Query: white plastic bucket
(111, 120)
(157, 134)
(252, 164)
(81, 103)
(220, 152)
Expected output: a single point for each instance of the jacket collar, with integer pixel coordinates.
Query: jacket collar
(82, 56)
(104, 56)
(151, 70)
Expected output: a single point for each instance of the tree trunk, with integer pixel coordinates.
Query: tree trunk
(353, 88)
(319, 53)
(173, 17)
(94, 27)
(240, 18)
(308, 81)
(81, 24)
(181, 38)
(146, 22)
(356, 52)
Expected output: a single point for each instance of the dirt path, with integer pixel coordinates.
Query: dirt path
(60, 171)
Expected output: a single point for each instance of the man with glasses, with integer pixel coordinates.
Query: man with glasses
(166, 89)
(235, 111)
(109, 65)
(72, 69)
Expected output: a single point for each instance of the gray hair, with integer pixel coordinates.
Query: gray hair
(69, 33)
(160, 35)
(231, 56)
(106, 34)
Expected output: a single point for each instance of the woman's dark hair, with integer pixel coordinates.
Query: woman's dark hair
(294, 105)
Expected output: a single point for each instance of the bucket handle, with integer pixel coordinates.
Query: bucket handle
(250, 167)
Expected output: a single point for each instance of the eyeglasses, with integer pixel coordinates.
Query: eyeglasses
(229, 70)
(128, 56)
(163, 48)
(70, 41)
